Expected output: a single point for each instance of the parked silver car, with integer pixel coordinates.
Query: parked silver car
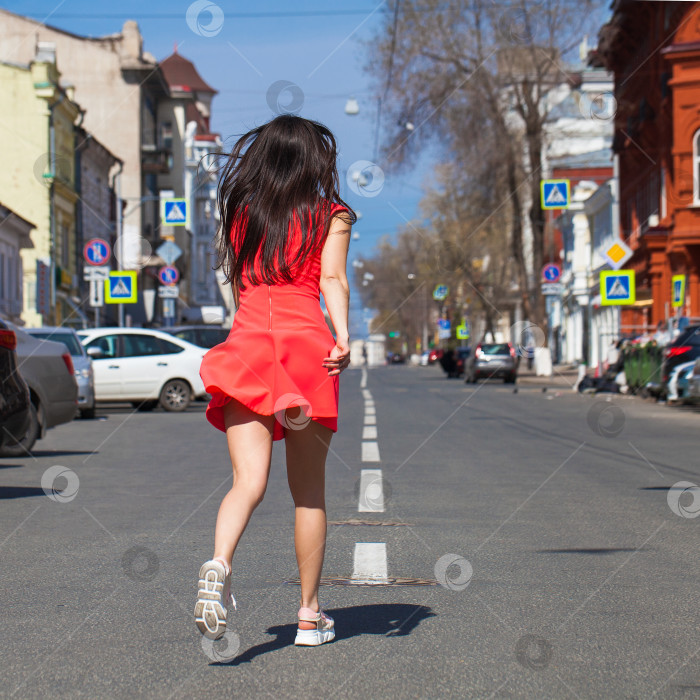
(492, 360)
(47, 368)
(82, 364)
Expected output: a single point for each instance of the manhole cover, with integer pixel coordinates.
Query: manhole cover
(345, 581)
(357, 521)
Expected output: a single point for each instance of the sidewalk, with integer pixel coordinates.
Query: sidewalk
(563, 377)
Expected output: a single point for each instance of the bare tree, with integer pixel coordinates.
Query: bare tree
(475, 73)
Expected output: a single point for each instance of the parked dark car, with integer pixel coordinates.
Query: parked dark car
(453, 361)
(685, 348)
(203, 336)
(47, 368)
(396, 358)
(492, 360)
(14, 393)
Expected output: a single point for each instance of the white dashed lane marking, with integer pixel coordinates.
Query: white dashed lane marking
(370, 420)
(370, 452)
(369, 564)
(371, 491)
(369, 432)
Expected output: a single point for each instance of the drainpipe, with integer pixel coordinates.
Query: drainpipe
(116, 187)
(52, 208)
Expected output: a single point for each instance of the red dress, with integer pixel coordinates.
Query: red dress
(272, 358)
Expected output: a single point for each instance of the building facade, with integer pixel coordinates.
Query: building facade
(37, 139)
(14, 235)
(653, 48)
(194, 176)
(95, 170)
(119, 87)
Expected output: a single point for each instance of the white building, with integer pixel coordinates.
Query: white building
(185, 117)
(589, 229)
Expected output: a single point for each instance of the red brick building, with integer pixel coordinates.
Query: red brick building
(653, 49)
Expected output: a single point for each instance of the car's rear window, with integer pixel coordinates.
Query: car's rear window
(498, 349)
(68, 339)
(690, 336)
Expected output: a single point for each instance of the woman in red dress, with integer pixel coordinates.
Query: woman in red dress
(285, 237)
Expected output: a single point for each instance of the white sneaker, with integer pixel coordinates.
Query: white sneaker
(213, 597)
(323, 633)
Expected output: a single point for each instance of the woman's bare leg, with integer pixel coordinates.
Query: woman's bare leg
(249, 438)
(306, 461)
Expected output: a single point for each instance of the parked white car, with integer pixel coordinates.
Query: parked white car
(144, 366)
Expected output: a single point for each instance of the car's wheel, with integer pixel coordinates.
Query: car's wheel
(88, 413)
(175, 395)
(144, 405)
(510, 379)
(19, 448)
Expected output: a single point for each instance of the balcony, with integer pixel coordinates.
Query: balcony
(156, 160)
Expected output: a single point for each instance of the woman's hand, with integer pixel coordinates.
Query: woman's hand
(339, 357)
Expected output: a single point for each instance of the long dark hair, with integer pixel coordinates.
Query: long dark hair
(286, 176)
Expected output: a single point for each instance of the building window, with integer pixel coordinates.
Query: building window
(166, 136)
(65, 247)
(696, 167)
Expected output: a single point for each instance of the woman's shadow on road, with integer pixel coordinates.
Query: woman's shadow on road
(387, 619)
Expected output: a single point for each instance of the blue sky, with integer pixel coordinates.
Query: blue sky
(322, 53)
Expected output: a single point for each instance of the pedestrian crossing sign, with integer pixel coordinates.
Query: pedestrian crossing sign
(175, 212)
(617, 287)
(678, 287)
(554, 194)
(120, 287)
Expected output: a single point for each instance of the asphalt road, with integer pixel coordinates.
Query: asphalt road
(537, 530)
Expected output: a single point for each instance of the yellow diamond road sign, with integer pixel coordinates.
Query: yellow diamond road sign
(618, 254)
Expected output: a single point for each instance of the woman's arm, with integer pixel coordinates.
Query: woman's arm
(336, 291)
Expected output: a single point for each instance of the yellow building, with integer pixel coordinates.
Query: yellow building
(37, 180)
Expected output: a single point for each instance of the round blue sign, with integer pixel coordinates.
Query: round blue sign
(168, 275)
(551, 273)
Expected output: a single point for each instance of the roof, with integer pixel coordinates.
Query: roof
(181, 74)
(593, 159)
(192, 114)
(14, 214)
